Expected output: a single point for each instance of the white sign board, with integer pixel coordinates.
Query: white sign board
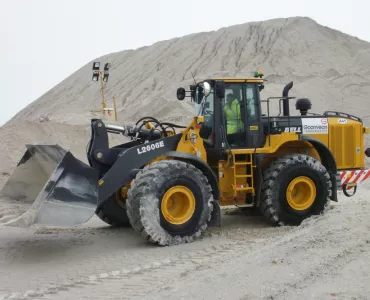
(314, 125)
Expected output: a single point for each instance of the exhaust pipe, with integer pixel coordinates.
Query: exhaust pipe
(286, 101)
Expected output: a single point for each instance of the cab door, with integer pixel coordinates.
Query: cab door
(253, 119)
(233, 112)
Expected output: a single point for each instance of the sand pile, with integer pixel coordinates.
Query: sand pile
(329, 67)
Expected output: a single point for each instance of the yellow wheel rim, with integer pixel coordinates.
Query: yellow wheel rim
(301, 193)
(178, 205)
(121, 196)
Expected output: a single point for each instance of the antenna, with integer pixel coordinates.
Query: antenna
(193, 77)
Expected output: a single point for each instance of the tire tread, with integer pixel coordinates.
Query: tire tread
(140, 209)
(276, 168)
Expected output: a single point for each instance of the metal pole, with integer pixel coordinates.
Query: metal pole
(102, 89)
(115, 108)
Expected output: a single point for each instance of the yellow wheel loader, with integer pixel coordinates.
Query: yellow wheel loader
(169, 186)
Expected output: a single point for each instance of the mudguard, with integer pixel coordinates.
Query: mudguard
(133, 158)
(328, 161)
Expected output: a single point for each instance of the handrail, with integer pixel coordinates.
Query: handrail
(268, 112)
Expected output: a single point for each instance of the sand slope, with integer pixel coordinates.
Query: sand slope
(329, 67)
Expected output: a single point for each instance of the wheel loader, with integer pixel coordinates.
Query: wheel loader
(168, 182)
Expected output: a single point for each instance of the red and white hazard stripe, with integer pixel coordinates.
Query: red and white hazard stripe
(354, 176)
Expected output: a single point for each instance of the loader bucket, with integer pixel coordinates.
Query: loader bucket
(49, 187)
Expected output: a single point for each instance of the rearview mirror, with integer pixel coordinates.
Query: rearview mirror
(180, 93)
(207, 89)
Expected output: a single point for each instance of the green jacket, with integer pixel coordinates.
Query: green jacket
(232, 113)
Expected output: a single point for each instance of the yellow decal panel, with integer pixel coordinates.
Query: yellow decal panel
(346, 142)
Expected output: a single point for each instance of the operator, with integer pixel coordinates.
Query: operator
(232, 113)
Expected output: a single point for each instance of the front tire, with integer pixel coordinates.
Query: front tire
(170, 202)
(112, 213)
(294, 188)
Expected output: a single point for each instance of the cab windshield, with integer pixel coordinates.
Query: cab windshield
(204, 106)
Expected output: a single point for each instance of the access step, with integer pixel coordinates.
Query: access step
(243, 176)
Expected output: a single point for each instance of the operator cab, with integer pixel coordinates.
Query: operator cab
(231, 110)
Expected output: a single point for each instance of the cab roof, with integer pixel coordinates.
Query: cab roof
(247, 79)
(257, 78)
(231, 79)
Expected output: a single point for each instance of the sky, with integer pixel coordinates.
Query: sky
(44, 41)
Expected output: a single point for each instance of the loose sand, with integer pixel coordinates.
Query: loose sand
(324, 258)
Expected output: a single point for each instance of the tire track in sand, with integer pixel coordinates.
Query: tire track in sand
(99, 267)
(139, 280)
(136, 281)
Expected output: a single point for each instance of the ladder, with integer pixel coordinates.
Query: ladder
(248, 163)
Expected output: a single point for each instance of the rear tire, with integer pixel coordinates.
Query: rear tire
(284, 204)
(113, 214)
(183, 218)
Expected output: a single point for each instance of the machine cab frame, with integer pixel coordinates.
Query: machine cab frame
(232, 113)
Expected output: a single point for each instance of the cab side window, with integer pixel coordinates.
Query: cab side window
(252, 104)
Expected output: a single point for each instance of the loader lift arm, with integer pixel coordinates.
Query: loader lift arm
(101, 157)
(118, 165)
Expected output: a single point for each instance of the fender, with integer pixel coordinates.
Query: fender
(133, 158)
(327, 160)
(212, 179)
